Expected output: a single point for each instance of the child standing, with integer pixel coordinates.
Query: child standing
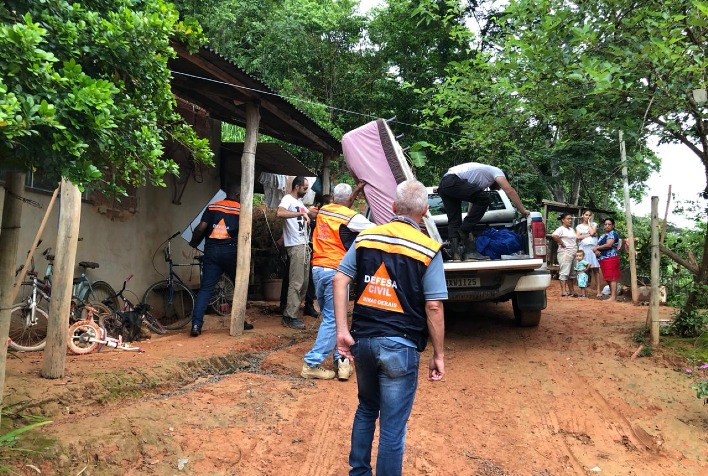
(581, 269)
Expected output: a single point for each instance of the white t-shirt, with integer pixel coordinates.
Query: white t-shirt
(295, 230)
(584, 229)
(568, 238)
(481, 175)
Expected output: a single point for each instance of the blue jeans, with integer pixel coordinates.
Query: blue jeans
(218, 259)
(327, 333)
(387, 377)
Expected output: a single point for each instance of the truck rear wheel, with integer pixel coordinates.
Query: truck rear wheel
(522, 301)
(527, 318)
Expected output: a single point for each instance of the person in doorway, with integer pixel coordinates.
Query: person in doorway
(296, 239)
(581, 273)
(587, 237)
(219, 227)
(469, 182)
(567, 241)
(400, 282)
(606, 252)
(335, 229)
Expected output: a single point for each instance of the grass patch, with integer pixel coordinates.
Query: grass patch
(690, 349)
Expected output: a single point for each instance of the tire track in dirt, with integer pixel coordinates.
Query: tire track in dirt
(325, 436)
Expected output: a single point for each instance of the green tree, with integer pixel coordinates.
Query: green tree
(85, 95)
(85, 90)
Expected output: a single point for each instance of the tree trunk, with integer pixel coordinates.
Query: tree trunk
(245, 223)
(9, 243)
(62, 281)
(700, 280)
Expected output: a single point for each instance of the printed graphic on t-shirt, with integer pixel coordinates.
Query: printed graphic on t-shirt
(380, 291)
(220, 231)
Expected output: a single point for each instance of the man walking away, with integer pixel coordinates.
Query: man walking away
(296, 237)
(219, 223)
(468, 182)
(336, 227)
(400, 287)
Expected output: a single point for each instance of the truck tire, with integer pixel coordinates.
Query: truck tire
(527, 313)
(527, 318)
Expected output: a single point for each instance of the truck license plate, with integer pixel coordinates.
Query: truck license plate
(462, 282)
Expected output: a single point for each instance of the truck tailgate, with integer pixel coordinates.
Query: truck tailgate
(502, 264)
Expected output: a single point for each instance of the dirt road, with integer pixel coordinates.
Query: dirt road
(563, 398)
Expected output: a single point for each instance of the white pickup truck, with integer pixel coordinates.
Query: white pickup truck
(522, 277)
(375, 158)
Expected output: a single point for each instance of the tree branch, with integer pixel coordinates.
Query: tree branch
(679, 137)
(693, 269)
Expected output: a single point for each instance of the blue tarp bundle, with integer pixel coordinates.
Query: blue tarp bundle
(494, 243)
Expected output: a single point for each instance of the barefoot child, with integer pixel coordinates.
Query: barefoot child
(581, 268)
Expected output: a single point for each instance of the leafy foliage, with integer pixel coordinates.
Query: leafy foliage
(85, 90)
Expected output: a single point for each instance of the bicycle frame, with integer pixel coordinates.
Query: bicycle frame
(171, 274)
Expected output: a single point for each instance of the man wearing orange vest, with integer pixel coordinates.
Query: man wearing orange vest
(335, 230)
(219, 224)
(400, 286)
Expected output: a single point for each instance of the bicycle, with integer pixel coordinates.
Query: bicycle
(86, 336)
(114, 321)
(170, 300)
(29, 320)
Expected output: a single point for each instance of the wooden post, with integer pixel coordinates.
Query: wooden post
(23, 272)
(326, 173)
(655, 270)
(628, 218)
(245, 223)
(666, 215)
(9, 242)
(62, 281)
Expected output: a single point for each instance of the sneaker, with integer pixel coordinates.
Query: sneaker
(316, 372)
(310, 311)
(344, 369)
(474, 256)
(292, 323)
(196, 331)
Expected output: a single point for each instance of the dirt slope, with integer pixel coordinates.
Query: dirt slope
(564, 398)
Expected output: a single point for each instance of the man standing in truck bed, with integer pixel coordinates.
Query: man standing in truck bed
(468, 182)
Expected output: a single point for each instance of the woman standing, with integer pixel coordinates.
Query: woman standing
(567, 246)
(606, 251)
(587, 235)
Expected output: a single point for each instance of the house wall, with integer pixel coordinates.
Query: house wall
(125, 243)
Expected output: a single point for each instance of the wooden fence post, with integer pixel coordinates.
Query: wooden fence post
(62, 281)
(9, 242)
(245, 227)
(655, 270)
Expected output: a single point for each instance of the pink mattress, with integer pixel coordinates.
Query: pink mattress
(371, 158)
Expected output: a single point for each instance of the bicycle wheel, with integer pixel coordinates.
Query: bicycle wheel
(222, 297)
(82, 337)
(107, 318)
(26, 334)
(102, 292)
(153, 324)
(171, 309)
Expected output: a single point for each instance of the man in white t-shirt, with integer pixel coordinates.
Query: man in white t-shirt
(296, 236)
(469, 182)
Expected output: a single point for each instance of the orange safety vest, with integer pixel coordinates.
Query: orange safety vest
(327, 247)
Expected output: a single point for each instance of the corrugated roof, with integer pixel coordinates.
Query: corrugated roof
(212, 82)
(270, 158)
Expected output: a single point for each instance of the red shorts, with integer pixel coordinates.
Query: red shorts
(610, 268)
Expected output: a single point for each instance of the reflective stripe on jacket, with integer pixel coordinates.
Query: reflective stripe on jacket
(391, 261)
(327, 246)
